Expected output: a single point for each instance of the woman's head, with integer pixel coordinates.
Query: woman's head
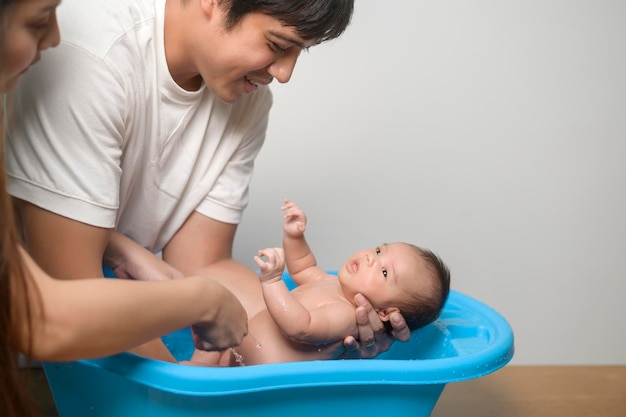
(28, 27)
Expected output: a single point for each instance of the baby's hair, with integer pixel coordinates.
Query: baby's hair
(421, 309)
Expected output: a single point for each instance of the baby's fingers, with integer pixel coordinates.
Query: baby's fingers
(260, 262)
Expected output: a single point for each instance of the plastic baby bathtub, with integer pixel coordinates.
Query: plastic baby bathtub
(468, 341)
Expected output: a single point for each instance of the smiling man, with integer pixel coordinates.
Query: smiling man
(145, 123)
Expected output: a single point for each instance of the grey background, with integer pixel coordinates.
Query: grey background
(492, 132)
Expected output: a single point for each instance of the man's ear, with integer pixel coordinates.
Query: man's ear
(384, 314)
(208, 6)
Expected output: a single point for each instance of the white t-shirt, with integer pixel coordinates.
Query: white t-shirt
(104, 135)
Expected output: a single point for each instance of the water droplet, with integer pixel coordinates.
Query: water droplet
(258, 344)
(238, 357)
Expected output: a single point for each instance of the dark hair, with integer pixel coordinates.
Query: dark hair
(420, 309)
(14, 289)
(313, 20)
(15, 398)
(14, 304)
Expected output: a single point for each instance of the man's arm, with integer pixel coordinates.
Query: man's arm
(200, 242)
(68, 249)
(62, 247)
(130, 260)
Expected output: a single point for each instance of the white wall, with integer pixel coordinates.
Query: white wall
(493, 132)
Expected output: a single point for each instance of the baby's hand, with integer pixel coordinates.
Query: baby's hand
(295, 220)
(272, 269)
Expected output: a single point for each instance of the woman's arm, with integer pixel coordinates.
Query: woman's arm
(97, 317)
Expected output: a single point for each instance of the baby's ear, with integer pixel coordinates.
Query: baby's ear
(384, 314)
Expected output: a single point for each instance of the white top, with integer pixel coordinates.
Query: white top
(106, 137)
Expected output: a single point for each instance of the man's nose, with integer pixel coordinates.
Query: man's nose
(283, 67)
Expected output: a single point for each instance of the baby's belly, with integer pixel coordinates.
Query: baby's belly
(266, 344)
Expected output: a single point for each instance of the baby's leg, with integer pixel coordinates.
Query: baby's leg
(203, 358)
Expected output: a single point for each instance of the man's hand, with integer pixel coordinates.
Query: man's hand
(373, 339)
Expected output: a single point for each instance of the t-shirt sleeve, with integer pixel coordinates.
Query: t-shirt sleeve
(229, 195)
(63, 151)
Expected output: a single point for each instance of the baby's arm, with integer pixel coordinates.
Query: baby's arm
(301, 262)
(327, 324)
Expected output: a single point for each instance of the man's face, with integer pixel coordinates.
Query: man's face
(256, 51)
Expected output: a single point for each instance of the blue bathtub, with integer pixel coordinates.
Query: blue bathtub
(468, 341)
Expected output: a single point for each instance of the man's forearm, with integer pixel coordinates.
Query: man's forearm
(118, 249)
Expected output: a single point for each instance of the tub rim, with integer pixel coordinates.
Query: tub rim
(206, 381)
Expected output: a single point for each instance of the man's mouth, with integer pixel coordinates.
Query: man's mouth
(254, 83)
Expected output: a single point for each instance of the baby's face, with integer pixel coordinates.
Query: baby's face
(384, 274)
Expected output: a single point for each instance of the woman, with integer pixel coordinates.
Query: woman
(49, 319)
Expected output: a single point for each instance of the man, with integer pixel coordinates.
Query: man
(145, 123)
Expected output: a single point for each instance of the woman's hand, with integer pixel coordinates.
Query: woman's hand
(226, 324)
(373, 338)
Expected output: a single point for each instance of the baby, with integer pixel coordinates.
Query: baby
(311, 321)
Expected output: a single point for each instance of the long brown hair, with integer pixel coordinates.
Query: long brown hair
(15, 319)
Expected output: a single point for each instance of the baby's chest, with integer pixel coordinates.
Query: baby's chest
(314, 296)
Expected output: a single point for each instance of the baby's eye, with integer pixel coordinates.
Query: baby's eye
(385, 272)
(377, 251)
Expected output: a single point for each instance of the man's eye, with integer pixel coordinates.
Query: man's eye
(385, 272)
(276, 48)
